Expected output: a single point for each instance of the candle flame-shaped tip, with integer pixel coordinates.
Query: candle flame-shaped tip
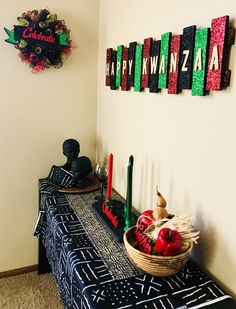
(131, 160)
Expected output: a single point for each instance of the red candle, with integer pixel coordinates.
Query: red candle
(109, 175)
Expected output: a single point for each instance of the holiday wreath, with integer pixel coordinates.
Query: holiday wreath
(42, 39)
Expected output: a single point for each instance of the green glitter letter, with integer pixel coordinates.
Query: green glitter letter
(119, 65)
(138, 67)
(164, 60)
(200, 61)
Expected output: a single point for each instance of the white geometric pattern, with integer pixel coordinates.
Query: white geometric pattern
(93, 271)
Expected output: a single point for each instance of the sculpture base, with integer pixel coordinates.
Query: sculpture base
(94, 185)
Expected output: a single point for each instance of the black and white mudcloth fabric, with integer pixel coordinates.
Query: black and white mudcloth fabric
(93, 271)
(57, 178)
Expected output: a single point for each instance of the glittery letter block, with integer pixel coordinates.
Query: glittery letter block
(186, 58)
(173, 76)
(216, 62)
(119, 66)
(164, 60)
(146, 62)
(113, 70)
(124, 73)
(200, 61)
(108, 67)
(138, 67)
(131, 64)
(154, 65)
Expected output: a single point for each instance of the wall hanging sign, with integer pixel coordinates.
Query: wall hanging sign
(196, 60)
(42, 39)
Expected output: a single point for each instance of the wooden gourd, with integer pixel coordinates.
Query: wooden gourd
(160, 211)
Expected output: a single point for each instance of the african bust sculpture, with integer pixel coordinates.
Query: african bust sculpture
(71, 149)
(80, 167)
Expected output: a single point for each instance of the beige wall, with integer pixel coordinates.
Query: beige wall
(37, 113)
(184, 144)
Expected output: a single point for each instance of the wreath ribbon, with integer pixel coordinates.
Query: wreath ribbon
(15, 36)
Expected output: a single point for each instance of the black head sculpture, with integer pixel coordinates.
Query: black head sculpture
(81, 167)
(71, 149)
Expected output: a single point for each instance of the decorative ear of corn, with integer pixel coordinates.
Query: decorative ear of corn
(183, 224)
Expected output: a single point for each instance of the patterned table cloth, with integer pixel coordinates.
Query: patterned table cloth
(93, 271)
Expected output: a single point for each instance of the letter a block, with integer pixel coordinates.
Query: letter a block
(217, 53)
(200, 62)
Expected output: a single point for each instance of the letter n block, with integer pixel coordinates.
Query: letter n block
(173, 77)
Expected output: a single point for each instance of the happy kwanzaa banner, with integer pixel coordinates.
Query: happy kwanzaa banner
(195, 60)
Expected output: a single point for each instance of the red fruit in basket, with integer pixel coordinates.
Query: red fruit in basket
(168, 242)
(148, 212)
(146, 218)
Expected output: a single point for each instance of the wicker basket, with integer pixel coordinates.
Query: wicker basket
(154, 264)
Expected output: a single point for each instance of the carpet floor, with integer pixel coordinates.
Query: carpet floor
(29, 291)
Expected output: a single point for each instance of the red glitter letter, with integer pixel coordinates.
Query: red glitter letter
(216, 66)
(146, 62)
(108, 67)
(174, 64)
